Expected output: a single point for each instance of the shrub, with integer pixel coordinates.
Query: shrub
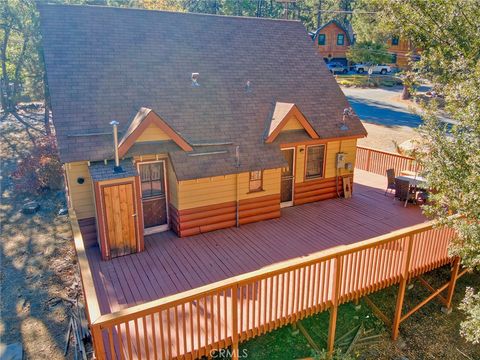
(39, 169)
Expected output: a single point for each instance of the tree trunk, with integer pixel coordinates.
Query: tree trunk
(406, 93)
(319, 14)
(18, 72)
(5, 91)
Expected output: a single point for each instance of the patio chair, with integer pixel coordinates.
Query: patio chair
(390, 180)
(404, 192)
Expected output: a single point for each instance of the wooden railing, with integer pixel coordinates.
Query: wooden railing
(195, 322)
(378, 161)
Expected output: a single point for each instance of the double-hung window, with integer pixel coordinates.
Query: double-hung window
(315, 161)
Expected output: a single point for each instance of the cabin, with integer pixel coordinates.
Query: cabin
(402, 50)
(166, 137)
(333, 40)
(162, 131)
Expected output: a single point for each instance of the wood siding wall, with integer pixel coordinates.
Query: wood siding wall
(223, 189)
(198, 220)
(331, 48)
(80, 195)
(153, 133)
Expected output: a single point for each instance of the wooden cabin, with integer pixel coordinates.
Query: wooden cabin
(402, 50)
(333, 40)
(214, 131)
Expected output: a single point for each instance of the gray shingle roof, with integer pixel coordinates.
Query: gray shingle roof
(106, 63)
(99, 171)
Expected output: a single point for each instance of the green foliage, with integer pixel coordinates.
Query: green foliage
(369, 52)
(470, 328)
(449, 36)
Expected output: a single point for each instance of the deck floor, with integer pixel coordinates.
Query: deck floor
(170, 264)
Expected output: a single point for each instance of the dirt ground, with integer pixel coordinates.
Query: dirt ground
(384, 137)
(38, 266)
(39, 272)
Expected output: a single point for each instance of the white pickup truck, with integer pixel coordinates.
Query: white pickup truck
(376, 69)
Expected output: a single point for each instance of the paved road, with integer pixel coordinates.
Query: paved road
(381, 106)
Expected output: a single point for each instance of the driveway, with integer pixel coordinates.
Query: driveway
(382, 106)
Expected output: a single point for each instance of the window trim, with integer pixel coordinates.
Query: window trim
(250, 190)
(341, 36)
(316, 177)
(324, 39)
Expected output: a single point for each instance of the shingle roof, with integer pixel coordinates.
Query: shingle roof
(100, 171)
(105, 64)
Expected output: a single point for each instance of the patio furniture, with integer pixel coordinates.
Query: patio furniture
(390, 180)
(415, 181)
(408, 173)
(403, 191)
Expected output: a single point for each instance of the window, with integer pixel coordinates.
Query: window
(151, 177)
(256, 181)
(315, 159)
(321, 39)
(395, 40)
(394, 58)
(340, 39)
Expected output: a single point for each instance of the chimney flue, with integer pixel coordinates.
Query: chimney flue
(115, 124)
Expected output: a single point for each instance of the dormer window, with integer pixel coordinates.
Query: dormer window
(321, 39)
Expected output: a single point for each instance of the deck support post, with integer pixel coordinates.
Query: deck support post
(401, 289)
(97, 339)
(235, 322)
(332, 324)
(453, 281)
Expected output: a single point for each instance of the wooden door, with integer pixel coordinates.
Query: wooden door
(120, 218)
(154, 196)
(288, 177)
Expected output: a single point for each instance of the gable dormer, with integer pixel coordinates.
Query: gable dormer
(149, 126)
(286, 117)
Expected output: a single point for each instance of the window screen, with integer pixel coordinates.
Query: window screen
(315, 159)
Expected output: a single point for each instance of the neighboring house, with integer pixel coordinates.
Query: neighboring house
(333, 40)
(402, 50)
(216, 130)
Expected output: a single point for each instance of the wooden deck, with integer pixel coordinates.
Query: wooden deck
(170, 264)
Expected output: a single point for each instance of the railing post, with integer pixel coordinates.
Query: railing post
(235, 322)
(97, 339)
(369, 153)
(453, 281)
(332, 325)
(401, 289)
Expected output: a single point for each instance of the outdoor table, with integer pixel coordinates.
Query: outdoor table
(415, 181)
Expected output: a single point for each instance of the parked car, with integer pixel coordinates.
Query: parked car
(376, 69)
(336, 68)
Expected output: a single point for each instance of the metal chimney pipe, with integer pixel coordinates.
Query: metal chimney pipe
(115, 124)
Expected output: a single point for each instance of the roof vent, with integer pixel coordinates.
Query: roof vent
(347, 112)
(248, 86)
(195, 77)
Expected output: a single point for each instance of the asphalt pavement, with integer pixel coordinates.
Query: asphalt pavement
(382, 106)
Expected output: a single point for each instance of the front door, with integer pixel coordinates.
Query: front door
(120, 218)
(288, 178)
(154, 196)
